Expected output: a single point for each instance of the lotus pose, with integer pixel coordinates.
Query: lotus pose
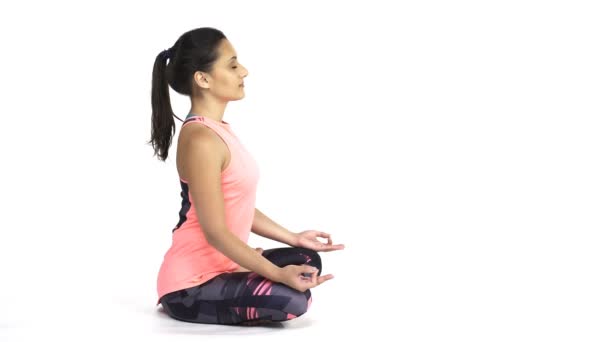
(210, 274)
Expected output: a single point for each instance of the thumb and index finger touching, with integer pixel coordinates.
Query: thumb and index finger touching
(310, 274)
(329, 246)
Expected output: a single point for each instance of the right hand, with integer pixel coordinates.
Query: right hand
(291, 275)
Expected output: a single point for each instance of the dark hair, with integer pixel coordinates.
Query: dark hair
(195, 50)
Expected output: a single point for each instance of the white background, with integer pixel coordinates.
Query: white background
(458, 149)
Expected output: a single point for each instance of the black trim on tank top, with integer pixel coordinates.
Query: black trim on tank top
(185, 190)
(184, 193)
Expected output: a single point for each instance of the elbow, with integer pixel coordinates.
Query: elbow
(215, 237)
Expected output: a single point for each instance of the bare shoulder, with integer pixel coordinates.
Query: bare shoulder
(198, 146)
(199, 159)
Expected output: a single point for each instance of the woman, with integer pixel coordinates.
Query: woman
(210, 274)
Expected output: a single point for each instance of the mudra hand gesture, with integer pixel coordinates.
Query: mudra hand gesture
(308, 239)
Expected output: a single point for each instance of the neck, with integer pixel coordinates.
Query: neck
(211, 108)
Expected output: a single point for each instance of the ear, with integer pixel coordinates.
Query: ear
(201, 79)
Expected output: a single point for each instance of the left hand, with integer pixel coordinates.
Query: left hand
(308, 239)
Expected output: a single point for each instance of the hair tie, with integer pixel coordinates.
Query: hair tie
(166, 53)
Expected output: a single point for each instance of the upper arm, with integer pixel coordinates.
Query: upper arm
(202, 168)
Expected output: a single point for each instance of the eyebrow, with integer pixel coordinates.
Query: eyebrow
(233, 57)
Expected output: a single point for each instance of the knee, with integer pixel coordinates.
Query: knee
(299, 304)
(313, 258)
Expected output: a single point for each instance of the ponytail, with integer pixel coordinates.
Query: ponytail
(195, 50)
(163, 125)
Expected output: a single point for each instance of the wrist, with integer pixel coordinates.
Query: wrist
(293, 240)
(276, 275)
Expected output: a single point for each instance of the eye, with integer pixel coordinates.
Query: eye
(234, 67)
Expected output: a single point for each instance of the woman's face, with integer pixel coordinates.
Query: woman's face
(225, 81)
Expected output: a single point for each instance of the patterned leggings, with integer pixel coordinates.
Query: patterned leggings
(244, 297)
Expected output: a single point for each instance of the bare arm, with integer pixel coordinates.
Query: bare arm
(202, 169)
(264, 226)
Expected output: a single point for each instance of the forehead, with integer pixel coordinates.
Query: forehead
(226, 49)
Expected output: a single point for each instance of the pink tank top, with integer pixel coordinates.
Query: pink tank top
(191, 260)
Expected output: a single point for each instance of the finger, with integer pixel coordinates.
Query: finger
(312, 269)
(314, 278)
(306, 283)
(308, 270)
(329, 240)
(322, 234)
(324, 278)
(328, 248)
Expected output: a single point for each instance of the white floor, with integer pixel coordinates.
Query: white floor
(427, 288)
(134, 318)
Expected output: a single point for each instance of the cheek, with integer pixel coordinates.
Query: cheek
(227, 81)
